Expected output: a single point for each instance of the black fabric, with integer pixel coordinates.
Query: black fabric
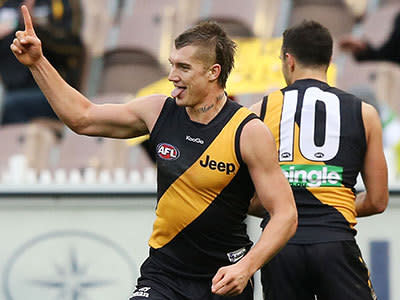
(263, 107)
(175, 124)
(331, 271)
(165, 286)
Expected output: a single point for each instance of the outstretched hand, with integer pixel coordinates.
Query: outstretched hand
(26, 46)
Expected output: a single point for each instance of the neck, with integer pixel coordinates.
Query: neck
(318, 74)
(205, 111)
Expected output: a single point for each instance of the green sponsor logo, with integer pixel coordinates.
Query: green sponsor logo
(313, 175)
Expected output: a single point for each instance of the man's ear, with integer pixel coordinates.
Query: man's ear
(291, 61)
(214, 71)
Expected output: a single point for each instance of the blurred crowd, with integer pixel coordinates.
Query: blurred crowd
(110, 49)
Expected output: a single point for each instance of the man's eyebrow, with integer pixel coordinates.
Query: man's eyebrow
(182, 64)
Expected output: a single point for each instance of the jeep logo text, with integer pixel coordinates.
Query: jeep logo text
(221, 166)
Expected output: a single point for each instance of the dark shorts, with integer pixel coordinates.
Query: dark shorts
(156, 284)
(330, 271)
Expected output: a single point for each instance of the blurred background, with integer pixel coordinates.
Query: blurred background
(76, 211)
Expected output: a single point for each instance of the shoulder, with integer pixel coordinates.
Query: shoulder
(256, 107)
(371, 119)
(369, 113)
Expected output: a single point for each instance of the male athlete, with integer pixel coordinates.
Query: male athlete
(210, 151)
(324, 137)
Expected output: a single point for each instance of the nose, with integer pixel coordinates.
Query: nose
(173, 76)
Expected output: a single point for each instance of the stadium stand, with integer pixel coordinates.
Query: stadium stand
(384, 77)
(327, 12)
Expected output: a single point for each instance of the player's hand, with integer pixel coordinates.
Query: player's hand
(26, 46)
(230, 280)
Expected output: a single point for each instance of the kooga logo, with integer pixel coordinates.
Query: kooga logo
(194, 140)
(167, 151)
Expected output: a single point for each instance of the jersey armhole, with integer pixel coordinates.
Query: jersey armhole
(161, 118)
(263, 108)
(238, 134)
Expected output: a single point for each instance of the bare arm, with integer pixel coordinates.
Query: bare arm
(375, 199)
(75, 110)
(259, 153)
(256, 208)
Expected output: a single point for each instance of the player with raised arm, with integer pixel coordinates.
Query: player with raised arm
(210, 159)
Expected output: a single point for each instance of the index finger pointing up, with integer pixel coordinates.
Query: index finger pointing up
(27, 20)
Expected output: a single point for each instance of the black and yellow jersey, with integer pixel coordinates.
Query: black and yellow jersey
(320, 138)
(203, 192)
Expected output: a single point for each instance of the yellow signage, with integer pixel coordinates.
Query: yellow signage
(257, 70)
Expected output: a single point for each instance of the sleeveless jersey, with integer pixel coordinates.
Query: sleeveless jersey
(320, 138)
(204, 190)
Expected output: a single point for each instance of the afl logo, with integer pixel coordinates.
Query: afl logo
(319, 155)
(167, 151)
(285, 155)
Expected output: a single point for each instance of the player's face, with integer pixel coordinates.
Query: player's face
(189, 75)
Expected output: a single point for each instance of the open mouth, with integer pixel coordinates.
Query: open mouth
(177, 91)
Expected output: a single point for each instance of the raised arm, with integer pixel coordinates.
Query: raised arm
(375, 199)
(84, 117)
(259, 153)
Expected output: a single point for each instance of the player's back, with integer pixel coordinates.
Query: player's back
(321, 144)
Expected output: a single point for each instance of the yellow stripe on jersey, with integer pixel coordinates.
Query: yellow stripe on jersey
(341, 198)
(190, 195)
(273, 114)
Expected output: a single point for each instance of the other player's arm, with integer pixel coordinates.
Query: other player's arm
(374, 173)
(258, 151)
(75, 110)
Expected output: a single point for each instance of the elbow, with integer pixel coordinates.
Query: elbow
(381, 206)
(79, 125)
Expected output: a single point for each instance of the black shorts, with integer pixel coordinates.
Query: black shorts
(330, 271)
(156, 284)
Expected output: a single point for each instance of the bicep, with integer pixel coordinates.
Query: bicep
(131, 119)
(374, 170)
(259, 153)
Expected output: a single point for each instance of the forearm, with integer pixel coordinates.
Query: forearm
(70, 106)
(366, 207)
(275, 235)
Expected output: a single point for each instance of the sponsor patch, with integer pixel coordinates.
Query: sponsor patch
(194, 140)
(224, 167)
(236, 255)
(142, 292)
(167, 151)
(313, 175)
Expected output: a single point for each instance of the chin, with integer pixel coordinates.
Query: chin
(180, 101)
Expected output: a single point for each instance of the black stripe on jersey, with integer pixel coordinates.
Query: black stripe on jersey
(175, 124)
(202, 247)
(237, 136)
(263, 107)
